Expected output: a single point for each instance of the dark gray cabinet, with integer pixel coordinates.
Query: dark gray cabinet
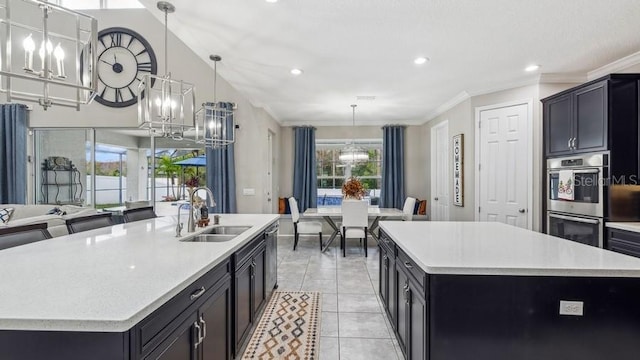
(249, 289)
(215, 314)
(403, 293)
(624, 242)
(558, 125)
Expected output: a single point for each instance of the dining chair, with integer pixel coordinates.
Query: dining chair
(21, 235)
(355, 220)
(137, 214)
(85, 223)
(407, 209)
(303, 227)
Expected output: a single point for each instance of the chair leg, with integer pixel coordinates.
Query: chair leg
(365, 243)
(321, 241)
(344, 242)
(295, 241)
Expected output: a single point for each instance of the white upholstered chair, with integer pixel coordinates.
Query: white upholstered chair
(407, 209)
(355, 220)
(303, 227)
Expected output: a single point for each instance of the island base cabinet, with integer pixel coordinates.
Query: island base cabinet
(62, 345)
(412, 316)
(181, 344)
(387, 283)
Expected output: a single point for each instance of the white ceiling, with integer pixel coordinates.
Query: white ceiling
(349, 48)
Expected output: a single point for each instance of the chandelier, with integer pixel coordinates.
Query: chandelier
(215, 127)
(351, 153)
(59, 48)
(166, 107)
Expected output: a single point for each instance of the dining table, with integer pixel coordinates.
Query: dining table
(330, 213)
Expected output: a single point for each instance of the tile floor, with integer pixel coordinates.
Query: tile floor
(353, 324)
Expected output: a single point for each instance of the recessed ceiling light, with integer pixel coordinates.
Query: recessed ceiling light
(296, 72)
(531, 68)
(271, 1)
(420, 60)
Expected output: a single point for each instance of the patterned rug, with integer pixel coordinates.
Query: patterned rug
(289, 328)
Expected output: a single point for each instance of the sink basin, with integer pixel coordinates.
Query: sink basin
(228, 230)
(211, 238)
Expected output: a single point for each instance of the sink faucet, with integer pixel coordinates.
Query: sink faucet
(179, 225)
(191, 223)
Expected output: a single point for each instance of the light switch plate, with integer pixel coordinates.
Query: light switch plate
(248, 192)
(572, 308)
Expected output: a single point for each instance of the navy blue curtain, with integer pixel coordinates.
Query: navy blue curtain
(392, 194)
(13, 154)
(221, 172)
(305, 188)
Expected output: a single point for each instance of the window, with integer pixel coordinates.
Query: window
(332, 173)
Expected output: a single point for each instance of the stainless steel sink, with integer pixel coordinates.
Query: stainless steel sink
(218, 234)
(211, 238)
(228, 230)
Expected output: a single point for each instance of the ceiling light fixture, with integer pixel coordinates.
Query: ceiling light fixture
(351, 153)
(27, 28)
(531, 68)
(271, 1)
(421, 60)
(215, 127)
(296, 72)
(166, 107)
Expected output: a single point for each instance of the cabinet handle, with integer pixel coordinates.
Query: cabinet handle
(406, 295)
(196, 294)
(407, 265)
(198, 337)
(573, 143)
(204, 327)
(405, 287)
(384, 257)
(569, 143)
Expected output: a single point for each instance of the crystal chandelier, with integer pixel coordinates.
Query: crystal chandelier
(215, 127)
(63, 43)
(351, 153)
(166, 107)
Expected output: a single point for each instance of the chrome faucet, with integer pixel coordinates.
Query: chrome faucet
(191, 223)
(179, 225)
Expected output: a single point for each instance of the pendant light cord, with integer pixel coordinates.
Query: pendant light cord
(166, 41)
(353, 127)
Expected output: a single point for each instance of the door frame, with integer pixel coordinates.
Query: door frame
(433, 161)
(529, 126)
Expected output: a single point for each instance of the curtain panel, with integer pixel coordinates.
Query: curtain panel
(392, 194)
(221, 172)
(305, 187)
(13, 154)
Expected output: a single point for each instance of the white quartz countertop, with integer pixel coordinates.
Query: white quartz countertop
(629, 226)
(489, 248)
(108, 279)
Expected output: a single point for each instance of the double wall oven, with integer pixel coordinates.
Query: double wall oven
(576, 195)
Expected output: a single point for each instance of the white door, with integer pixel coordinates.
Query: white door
(440, 172)
(503, 165)
(268, 186)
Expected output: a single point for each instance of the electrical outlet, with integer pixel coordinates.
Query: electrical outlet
(572, 308)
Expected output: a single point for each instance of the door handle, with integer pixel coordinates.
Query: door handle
(521, 211)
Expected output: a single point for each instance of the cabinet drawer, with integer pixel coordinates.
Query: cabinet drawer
(624, 247)
(246, 251)
(624, 235)
(151, 331)
(410, 266)
(388, 244)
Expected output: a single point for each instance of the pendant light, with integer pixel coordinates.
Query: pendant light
(166, 107)
(215, 127)
(351, 153)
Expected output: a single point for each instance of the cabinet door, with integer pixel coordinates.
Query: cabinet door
(383, 281)
(417, 346)
(181, 344)
(242, 297)
(215, 317)
(591, 118)
(259, 281)
(558, 124)
(393, 301)
(402, 308)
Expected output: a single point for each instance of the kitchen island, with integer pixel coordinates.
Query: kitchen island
(468, 290)
(132, 291)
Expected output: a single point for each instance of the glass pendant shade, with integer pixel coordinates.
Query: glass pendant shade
(351, 153)
(47, 54)
(215, 125)
(166, 107)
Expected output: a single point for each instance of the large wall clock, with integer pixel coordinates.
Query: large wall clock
(124, 57)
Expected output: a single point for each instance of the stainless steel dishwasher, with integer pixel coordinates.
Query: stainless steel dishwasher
(271, 240)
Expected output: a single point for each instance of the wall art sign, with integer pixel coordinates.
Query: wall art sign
(458, 172)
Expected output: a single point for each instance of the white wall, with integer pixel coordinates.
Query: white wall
(184, 65)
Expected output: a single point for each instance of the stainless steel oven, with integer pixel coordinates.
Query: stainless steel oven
(590, 174)
(583, 229)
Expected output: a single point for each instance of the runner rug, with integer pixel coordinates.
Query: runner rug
(289, 328)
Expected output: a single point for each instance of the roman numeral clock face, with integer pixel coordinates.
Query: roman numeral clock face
(124, 57)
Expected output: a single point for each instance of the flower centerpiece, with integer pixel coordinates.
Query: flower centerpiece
(353, 189)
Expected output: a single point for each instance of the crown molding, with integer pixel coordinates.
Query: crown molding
(618, 65)
(447, 105)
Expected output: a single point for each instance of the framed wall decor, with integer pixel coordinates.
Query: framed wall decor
(458, 170)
